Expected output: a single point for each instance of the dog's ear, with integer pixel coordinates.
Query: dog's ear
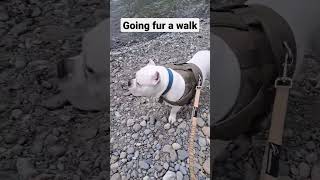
(155, 78)
(151, 62)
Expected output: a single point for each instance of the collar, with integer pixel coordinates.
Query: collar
(170, 81)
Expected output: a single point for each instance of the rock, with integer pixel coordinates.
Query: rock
(3, 14)
(304, 170)
(116, 176)
(143, 123)
(311, 158)
(183, 170)
(146, 178)
(37, 146)
(200, 122)
(10, 138)
(130, 122)
(123, 155)
(206, 166)
(179, 175)
(315, 173)
(20, 62)
(88, 132)
(51, 139)
(176, 146)
(3, 107)
(202, 141)
(57, 150)
(173, 155)
(143, 165)
(152, 120)
(20, 28)
(54, 102)
(182, 154)
(36, 12)
(169, 176)
(167, 126)
(311, 145)
(147, 131)
(250, 172)
(206, 131)
(16, 113)
(25, 168)
(136, 127)
(130, 150)
(114, 166)
(182, 125)
(294, 170)
(165, 165)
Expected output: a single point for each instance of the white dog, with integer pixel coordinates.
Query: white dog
(154, 81)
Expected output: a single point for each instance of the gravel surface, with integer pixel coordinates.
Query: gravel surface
(143, 144)
(39, 138)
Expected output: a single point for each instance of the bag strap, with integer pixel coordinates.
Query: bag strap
(270, 166)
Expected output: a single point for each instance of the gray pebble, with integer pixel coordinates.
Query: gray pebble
(179, 175)
(130, 122)
(143, 123)
(182, 154)
(16, 113)
(200, 122)
(169, 176)
(130, 150)
(167, 126)
(304, 170)
(144, 165)
(136, 127)
(116, 176)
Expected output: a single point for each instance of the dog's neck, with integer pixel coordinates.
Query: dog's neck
(178, 85)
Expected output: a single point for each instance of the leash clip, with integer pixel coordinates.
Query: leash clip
(285, 80)
(199, 85)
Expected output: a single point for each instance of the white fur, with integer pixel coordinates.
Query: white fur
(152, 88)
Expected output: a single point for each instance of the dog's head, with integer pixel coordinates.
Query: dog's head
(146, 81)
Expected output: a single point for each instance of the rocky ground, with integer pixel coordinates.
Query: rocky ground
(39, 138)
(300, 158)
(143, 144)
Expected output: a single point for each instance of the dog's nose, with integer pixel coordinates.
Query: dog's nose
(129, 83)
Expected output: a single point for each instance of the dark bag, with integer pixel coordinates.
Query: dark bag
(256, 35)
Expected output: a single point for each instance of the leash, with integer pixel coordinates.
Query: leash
(270, 166)
(193, 130)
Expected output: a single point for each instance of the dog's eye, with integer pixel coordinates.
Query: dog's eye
(138, 84)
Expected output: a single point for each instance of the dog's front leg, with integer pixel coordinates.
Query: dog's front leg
(173, 114)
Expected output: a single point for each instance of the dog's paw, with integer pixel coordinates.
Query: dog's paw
(172, 119)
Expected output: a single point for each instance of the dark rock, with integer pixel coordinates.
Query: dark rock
(11, 138)
(304, 170)
(88, 132)
(3, 14)
(56, 150)
(54, 102)
(315, 173)
(20, 28)
(25, 168)
(16, 113)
